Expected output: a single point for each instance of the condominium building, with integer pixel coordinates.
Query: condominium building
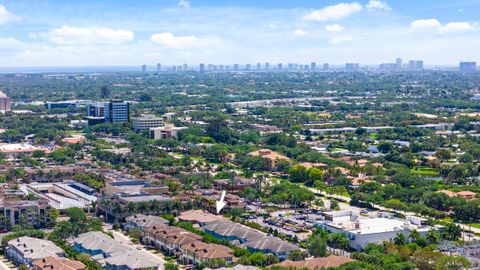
(5, 105)
(468, 66)
(146, 122)
(14, 211)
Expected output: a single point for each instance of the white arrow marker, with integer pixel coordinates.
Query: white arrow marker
(221, 203)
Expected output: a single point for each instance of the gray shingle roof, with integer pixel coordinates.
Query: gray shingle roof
(34, 248)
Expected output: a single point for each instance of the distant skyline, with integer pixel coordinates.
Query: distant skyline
(58, 33)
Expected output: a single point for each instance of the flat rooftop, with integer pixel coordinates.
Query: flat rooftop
(374, 225)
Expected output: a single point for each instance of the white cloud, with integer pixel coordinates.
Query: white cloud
(184, 4)
(451, 27)
(335, 12)
(425, 23)
(272, 26)
(11, 43)
(340, 39)
(299, 32)
(6, 16)
(333, 28)
(169, 40)
(377, 5)
(68, 35)
(456, 27)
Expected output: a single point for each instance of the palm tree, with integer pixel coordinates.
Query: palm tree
(400, 239)
(414, 236)
(93, 204)
(154, 206)
(452, 232)
(142, 207)
(117, 211)
(433, 237)
(131, 208)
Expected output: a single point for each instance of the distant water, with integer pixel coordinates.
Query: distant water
(70, 69)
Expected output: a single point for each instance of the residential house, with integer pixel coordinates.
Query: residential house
(199, 252)
(316, 263)
(56, 263)
(249, 238)
(24, 250)
(272, 157)
(112, 254)
(141, 221)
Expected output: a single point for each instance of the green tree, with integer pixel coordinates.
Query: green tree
(400, 239)
(316, 245)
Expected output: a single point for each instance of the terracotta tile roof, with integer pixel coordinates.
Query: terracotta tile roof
(198, 216)
(317, 263)
(269, 154)
(56, 263)
(208, 251)
(447, 192)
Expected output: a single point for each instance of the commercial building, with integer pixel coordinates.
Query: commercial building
(468, 66)
(63, 104)
(15, 149)
(168, 131)
(62, 195)
(361, 231)
(199, 217)
(133, 187)
(114, 111)
(24, 250)
(5, 103)
(146, 122)
(144, 68)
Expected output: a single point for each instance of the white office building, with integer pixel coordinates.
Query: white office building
(146, 122)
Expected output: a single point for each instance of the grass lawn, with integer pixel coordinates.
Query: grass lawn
(424, 171)
(475, 225)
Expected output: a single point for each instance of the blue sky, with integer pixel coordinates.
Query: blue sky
(125, 32)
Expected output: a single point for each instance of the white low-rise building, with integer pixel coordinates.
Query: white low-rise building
(169, 131)
(362, 230)
(146, 122)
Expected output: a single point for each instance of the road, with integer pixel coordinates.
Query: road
(3, 265)
(347, 199)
